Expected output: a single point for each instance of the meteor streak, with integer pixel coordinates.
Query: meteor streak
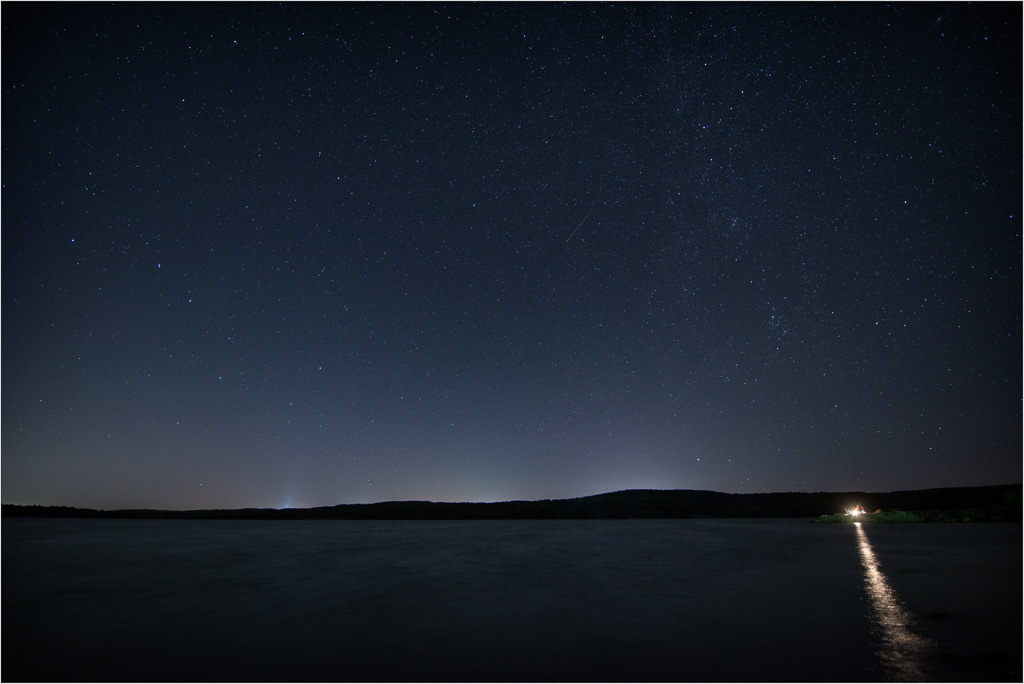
(579, 226)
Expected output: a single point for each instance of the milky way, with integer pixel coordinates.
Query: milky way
(261, 255)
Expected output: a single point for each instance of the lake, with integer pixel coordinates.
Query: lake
(608, 600)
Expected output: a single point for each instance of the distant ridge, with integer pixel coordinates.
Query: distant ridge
(994, 502)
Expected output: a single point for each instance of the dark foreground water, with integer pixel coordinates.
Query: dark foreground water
(680, 600)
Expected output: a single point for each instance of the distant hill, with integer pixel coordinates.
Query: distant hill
(996, 502)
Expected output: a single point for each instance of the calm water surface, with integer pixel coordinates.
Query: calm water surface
(679, 600)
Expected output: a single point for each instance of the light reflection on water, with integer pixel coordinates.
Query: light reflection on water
(902, 651)
(518, 600)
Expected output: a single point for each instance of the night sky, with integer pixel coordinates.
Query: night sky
(303, 255)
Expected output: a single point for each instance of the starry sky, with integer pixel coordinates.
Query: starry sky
(301, 255)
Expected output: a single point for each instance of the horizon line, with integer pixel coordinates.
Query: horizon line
(503, 501)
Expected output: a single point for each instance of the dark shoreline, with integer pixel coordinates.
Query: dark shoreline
(998, 503)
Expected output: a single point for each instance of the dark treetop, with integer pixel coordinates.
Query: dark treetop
(992, 503)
